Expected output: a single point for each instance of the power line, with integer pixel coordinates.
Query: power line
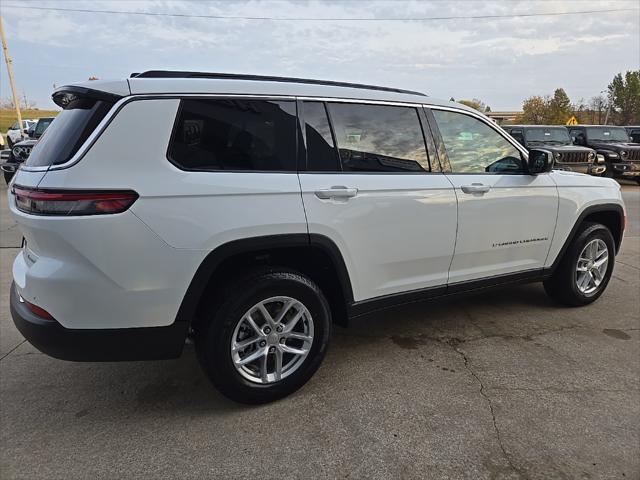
(309, 19)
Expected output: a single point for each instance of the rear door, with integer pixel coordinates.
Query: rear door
(377, 196)
(506, 217)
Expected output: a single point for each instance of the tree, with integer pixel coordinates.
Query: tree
(535, 111)
(477, 104)
(624, 94)
(559, 107)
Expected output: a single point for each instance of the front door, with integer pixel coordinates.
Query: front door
(506, 217)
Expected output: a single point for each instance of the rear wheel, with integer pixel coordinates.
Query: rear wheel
(585, 269)
(265, 336)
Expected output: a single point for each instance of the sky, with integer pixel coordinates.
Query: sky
(501, 61)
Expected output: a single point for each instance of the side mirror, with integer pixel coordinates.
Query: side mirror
(540, 161)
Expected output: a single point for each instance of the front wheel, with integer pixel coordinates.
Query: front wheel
(585, 269)
(265, 336)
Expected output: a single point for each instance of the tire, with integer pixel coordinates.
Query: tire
(563, 286)
(8, 176)
(226, 321)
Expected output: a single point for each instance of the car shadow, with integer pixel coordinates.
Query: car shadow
(142, 388)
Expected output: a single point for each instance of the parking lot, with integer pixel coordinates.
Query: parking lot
(496, 385)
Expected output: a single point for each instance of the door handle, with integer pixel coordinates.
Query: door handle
(337, 191)
(475, 188)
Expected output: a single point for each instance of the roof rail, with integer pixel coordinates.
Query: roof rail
(265, 78)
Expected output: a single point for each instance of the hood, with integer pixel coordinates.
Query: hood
(26, 143)
(615, 146)
(564, 148)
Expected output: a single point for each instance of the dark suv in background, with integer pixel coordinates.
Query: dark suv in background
(21, 150)
(556, 139)
(622, 157)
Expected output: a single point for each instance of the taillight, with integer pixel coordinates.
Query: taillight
(72, 202)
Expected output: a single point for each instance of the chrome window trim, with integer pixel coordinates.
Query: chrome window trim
(177, 96)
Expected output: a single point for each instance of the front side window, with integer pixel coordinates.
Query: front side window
(321, 153)
(379, 138)
(235, 134)
(474, 147)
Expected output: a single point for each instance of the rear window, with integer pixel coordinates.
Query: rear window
(68, 131)
(236, 135)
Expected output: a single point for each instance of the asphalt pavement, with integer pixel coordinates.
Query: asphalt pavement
(498, 385)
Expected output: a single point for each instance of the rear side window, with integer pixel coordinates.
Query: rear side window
(235, 134)
(68, 131)
(322, 155)
(379, 138)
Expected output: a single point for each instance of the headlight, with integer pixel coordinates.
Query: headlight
(612, 155)
(600, 158)
(623, 153)
(557, 156)
(592, 155)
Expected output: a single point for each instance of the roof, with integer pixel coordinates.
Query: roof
(180, 83)
(601, 126)
(534, 126)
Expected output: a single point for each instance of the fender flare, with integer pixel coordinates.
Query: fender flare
(604, 207)
(214, 259)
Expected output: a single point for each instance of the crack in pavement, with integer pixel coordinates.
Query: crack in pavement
(453, 344)
(12, 350)
(564, 390)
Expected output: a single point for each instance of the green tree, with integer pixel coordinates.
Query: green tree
(559, 107)
(624, 94)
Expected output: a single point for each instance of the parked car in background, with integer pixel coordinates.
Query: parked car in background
(621, 155)
(16, 134)
(634, 133)
(253, 212)
(556, 139)
(40, 126)
(21, 150)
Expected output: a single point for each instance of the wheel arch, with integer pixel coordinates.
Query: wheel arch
(611, 215)
(314, 255)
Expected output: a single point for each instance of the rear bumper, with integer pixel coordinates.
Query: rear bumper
(87, 345)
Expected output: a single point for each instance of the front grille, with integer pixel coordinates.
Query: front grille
(633, 155)
(574, 157)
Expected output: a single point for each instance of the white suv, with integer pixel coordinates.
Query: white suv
(252, 212)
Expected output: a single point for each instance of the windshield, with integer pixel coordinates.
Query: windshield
(558, 136)
(607, 134)
(42, 125)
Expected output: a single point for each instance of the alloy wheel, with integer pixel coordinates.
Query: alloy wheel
(592, 266)
(272, 339)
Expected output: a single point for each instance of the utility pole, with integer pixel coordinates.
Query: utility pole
(7, 59)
